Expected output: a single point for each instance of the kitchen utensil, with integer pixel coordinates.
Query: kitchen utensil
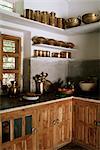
(60, 22)
(51, 42)
(28, 13)
(37, 15)
(31, 98)
(52, 19)
(73, 22)
(45, 17)
(90, 18)
(87, 86)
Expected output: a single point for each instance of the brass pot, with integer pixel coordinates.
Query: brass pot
(72, 22)
(37, 15)
(45, 17)
(52, 19)
(90, 18)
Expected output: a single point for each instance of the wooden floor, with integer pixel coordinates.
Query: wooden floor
(72, 147)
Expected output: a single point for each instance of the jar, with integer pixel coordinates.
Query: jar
(60, 22)
(28, 13)
(33, 15)
(37, 15)
(52, 19)
(45, 17)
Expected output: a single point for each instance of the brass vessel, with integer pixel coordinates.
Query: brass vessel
(90, 18)
(28, 13)
(73, 22)
(37, 15)
(45, 17)
(52, 19)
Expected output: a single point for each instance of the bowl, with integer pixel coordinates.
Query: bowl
(87, 86)
(90, 18)
(72, 22)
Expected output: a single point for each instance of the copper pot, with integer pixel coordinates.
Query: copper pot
(73, 22)
(90, 18)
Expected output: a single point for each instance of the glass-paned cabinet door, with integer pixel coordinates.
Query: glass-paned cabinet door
(7, 77)
(8, 62)
(9, 46)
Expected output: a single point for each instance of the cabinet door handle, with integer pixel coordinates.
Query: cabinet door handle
(54, 122)
(34, 130)
(96, 123)
(57, 121)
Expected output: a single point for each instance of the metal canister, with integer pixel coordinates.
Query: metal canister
(33, 15)
(28, 13)
(45, 17)
(37, 15)
(60, 22)
(52, 19)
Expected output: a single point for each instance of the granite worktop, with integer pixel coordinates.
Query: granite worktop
(7, 102)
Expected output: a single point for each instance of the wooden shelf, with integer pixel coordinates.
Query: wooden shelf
(27, 24)
(52, 47)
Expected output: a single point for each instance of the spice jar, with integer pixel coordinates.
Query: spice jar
(45, 17)
(37, 15)
(52, 19)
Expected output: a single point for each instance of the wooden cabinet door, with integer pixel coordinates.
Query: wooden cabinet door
(98, 128)
(62, 128)
(85, 131)
(45, 115)
(21, 129)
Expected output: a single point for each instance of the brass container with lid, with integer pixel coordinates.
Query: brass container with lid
(45, 17)
(28, 13)
(60, 22)
(37, 15)
(52, 19)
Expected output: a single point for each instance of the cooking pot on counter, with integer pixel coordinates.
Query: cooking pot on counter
(90, 18)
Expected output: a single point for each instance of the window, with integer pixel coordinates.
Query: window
(10, 58)
(6, 5)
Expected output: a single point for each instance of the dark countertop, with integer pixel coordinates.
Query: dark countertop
(7, 102)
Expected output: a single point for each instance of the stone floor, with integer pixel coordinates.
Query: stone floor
(72, 147)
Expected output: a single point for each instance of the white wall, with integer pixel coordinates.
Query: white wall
(88, 45)
(80, 7)
(58, 6)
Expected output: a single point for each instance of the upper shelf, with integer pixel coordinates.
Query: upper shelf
(28, 24)
(53, 47)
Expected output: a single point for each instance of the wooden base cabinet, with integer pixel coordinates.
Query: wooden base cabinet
(86, 124)
(51, 126)
(54, 125)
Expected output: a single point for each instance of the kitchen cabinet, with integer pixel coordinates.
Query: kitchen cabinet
(53, 125)
(27, 139)
(85, 130)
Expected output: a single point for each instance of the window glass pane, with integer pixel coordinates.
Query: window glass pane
(8, 63)
(5, 131)
(28, 124)
(17, 128)
(8, 77)
(8, 46)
